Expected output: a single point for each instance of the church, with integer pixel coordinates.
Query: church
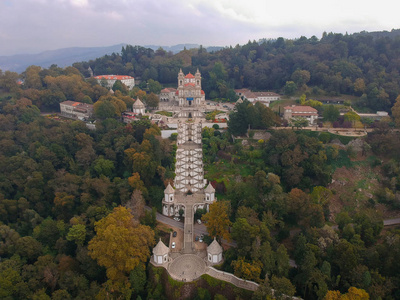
(189, 91)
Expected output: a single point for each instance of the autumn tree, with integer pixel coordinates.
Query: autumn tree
(246, 270)
(217, 220)
(352, 294)
(136, 204)
(396, 111)
(120, 243)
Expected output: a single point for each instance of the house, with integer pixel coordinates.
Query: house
(129, 81)
(294, 111)
(168, 95)
(76, 110)
(264, 97)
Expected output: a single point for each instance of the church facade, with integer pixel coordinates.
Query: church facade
(189, 90)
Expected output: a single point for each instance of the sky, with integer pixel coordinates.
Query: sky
(32, 26)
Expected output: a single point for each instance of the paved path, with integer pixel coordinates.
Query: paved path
(187, 267)
(188, 230)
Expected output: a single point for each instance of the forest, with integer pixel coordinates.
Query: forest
(364, 66)
(72, 217)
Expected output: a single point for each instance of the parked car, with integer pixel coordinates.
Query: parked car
(202, 236)
(200, 240)
(197, 238)
(173, 245)
(174, 234)
(199, 221)
(177, 219)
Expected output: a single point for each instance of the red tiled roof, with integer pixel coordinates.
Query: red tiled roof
(202, 92)
(189, 83)
(189, 75)
(168, 90)
(177, 92)
(114, 77)
(302, 109)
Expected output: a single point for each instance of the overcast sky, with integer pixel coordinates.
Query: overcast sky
(32, 26)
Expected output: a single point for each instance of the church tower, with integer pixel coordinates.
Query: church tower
(197, 77)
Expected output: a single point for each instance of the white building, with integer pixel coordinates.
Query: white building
(76, 110)
(264, 97)
(138, 107)
(294, 111)
(129, 81)
(168, 95)
(160, 253)
(214, 252)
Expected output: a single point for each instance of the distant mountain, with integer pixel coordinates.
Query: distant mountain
(61, 57)
(67, 56)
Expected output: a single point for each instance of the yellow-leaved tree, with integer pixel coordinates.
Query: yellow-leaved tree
(352, 294)
(120, 243)
(217, 220)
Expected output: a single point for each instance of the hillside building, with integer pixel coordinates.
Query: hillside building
(295, 111)
(129, 81)
(264, 97)
(76, 110)
(168, 95)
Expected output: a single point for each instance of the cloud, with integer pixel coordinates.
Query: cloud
(36, 25)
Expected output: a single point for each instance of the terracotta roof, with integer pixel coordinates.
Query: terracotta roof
(160, 249)
(202, 92)
(209, 189)
(68, 102)
(138, 104)
(77, 105)
(177, 92)
(241, 91)
(214, 248)
(168, 90)
(189, 83)
(190, 75)
(114, 77)
(301, 109)
(169, 189)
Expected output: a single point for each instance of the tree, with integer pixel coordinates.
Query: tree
(119, 86)
(290, 88)
(104, 109)
(120, 243)
(77, 233)
(352, 294)
(331, 113)
(152, 100)
(300, 77)
(28, 247)
(299, 122)
(136, 204)
(217, 220)
(396, 111)
(283, 288)
(245, 270)
(352, 117)
(154, 86)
